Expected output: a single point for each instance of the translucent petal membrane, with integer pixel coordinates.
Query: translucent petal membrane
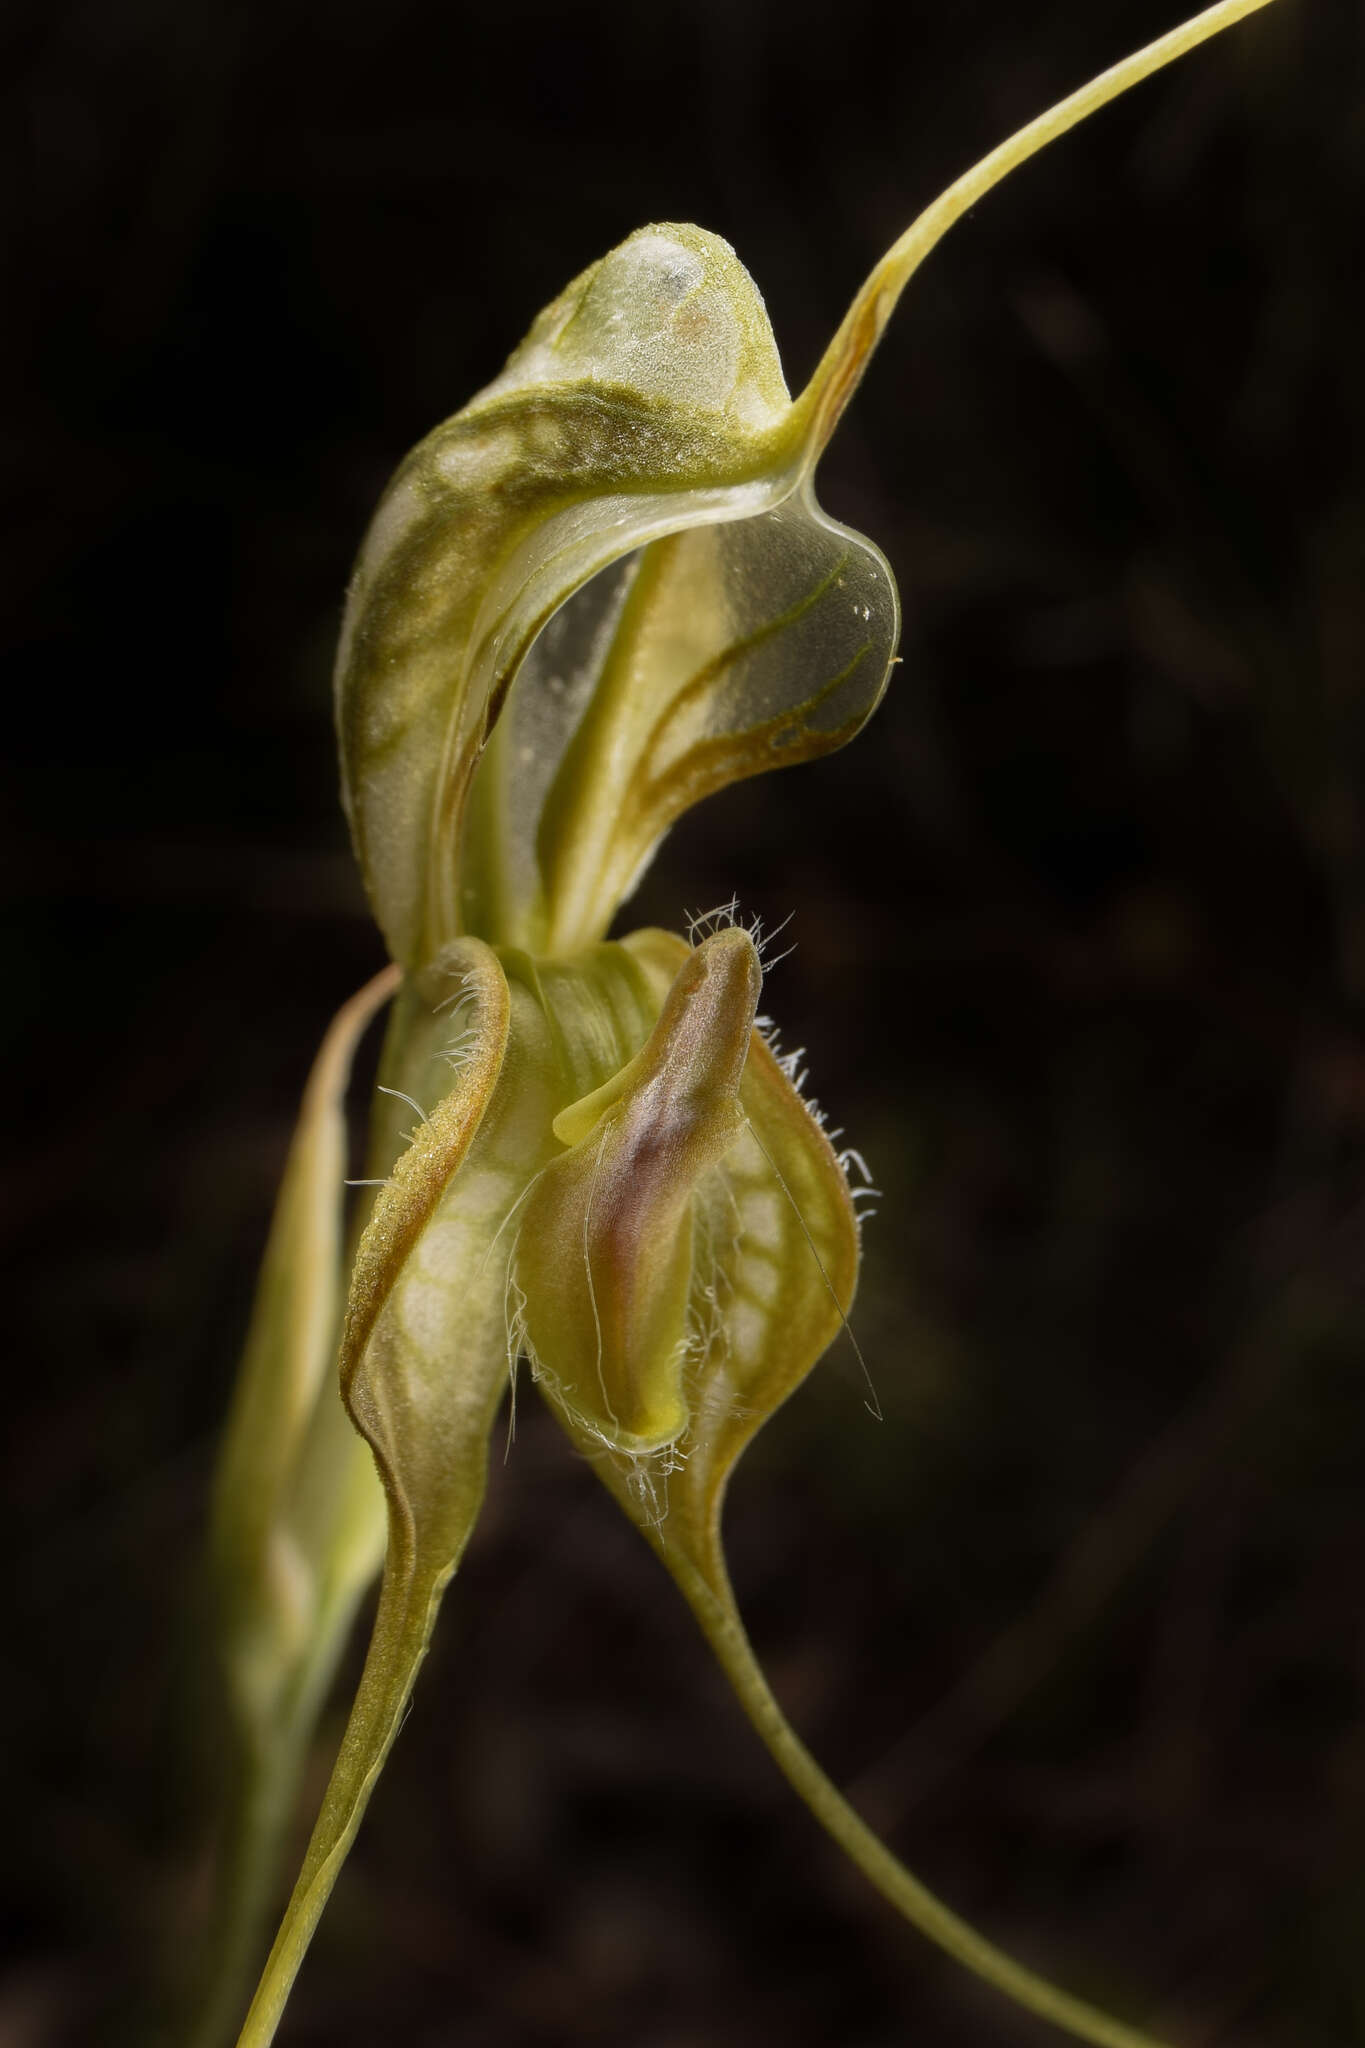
(704, 658)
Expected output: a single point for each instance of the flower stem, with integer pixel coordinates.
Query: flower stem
(712, 1601)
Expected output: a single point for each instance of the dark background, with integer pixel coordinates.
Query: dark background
(1081, 967)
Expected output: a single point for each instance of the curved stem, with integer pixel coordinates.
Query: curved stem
(712, 1601)
(841, 367)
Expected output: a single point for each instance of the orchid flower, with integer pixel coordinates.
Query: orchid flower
(601, 591)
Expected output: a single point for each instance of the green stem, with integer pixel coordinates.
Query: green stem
(408, 1599)
(712, 1601)
(841, 367)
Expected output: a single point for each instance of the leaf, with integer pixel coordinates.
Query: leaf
(297, 1523)
(285, 1373)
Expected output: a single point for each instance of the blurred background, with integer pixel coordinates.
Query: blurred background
(1080, 965)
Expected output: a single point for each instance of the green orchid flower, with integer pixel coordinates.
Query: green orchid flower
(601, 591)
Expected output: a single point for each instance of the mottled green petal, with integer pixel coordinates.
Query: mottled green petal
(645, 399)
